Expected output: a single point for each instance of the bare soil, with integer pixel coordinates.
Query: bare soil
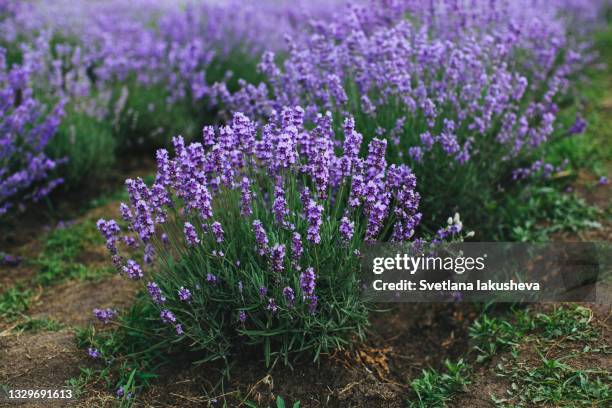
(400, 344)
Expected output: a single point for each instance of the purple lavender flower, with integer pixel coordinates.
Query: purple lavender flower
(416, 153)
(217, 231)
(272, 305)
(242, 316)
(149, 254)
(93, 353)
(260, 237)
(289, 295)
(109, 230)
(307, 282)
(313, 300)
(246, 197)
(263, 291)
(210, 278)
(104, 315)
(179, 329)
(167, 316)
(314, 213)
(155, 293)
(133, 270)
(347, 228)
(578, 127)
(280, 205)
(277, 254)
(184, 294)
(143, 222)
(191, 236)
(296, 248)
(126, 213)
(603, 180)
(11, 260)
(130, 241)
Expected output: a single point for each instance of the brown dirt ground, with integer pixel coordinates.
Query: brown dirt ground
(400, 344)
(44, 360)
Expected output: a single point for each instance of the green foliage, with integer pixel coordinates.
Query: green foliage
(434, 389)
(87, 143)
(235, 66)
(490, 335)
(61, 257)
(130, 352)
(14, 302)
(553, 382)
(280, 403)
(38, 325)
(144, 118)
(540, 211)
(210, 319)
(551, 373)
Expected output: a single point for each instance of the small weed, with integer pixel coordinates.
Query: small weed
(280, 403)
(38, 325)
(434, 389)
(14, 303)
(542, 211)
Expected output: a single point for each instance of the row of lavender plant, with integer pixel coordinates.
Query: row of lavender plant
(131, 73)
(26, 127)
(466, 92)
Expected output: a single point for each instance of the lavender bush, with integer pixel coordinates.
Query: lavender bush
(253, 234)
(26, 127)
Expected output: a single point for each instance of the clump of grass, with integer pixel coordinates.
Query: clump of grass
(14, 303)
(538, 212)
(38, 325)
(434, 388)
(59, 259)
(556, 383)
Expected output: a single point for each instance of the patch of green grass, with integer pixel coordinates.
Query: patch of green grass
(144, 119)
(14, 303)
(434, 389)
(542, 211)
(39, 325)
(535, 377)
(60, 257)
(490, 335)
(104, 199)
(556, 383)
